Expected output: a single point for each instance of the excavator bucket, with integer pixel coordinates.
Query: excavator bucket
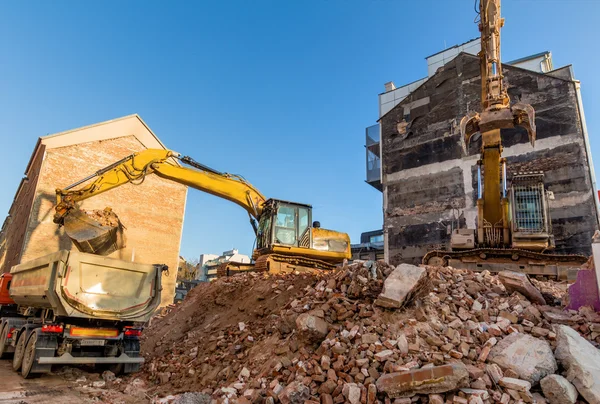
(101, 236)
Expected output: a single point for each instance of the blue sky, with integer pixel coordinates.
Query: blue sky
(277, 91)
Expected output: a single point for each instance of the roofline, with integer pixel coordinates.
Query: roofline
(41, 138)
(452, 47)
(505, 64)
(528, 57)
(404, 85)
(33, 154)
(105, 123)
(540, 74)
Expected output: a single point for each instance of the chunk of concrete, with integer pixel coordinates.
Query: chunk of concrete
(352, 393)
(428, 380)
(558, 390)
(582, 361)
(515, 384)
(529, 357)
(294, 393)
(311, 328)
(399, 285)
(518, 282)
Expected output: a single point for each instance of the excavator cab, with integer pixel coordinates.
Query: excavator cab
(286, 227)
(284, 223)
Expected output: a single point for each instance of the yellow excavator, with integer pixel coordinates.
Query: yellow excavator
(285, 239)
(514, 229)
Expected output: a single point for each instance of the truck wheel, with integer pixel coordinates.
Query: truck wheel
(132, 348)
(3, 338)
(20, 348)
(29, 356)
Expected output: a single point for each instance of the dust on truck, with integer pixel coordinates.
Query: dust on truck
(76, 308)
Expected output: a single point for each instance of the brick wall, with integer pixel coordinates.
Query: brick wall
(430, 184)
(151, 212)
(16, 223)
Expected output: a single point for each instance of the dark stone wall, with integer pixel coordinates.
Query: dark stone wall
(425, 169)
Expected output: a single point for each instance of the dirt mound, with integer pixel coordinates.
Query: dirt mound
(235, 313)
(296, 338)
(105, 217)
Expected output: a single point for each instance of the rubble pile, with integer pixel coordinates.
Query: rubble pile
(106, 217)
(372, 333)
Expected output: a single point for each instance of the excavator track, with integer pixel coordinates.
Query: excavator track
(276, 264)
(561, 266)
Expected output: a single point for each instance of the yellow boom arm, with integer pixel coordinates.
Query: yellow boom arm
(134, 168)
(496, 114)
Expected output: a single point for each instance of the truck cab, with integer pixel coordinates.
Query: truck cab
(5, 299)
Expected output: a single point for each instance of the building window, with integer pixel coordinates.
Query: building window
(376, 239)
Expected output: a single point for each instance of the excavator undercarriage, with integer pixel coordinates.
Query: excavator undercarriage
(276, 264)
(558, 266)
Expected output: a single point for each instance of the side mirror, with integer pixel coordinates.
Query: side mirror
(316, 224)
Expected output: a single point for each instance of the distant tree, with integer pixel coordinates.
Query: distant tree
(188, 269)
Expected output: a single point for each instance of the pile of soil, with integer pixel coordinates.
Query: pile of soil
(105, 217)
(300, 338)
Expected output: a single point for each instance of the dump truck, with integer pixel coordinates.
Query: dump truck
(70, 307)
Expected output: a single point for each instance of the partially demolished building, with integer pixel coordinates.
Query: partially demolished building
(429, 185)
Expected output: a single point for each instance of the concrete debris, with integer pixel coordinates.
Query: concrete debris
(352, 393)
(558, 390)
(402, 283)
(427, 380)
(518, 282)
(529, 357)
(294, 393)
(192, 398)
(108, 376)
(581, 360)
(99, 384)
(515, 384)
(311, 328)
(456, 337)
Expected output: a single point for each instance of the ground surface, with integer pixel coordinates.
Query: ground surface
(44, 389)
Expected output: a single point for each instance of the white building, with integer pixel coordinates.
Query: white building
(209, 263)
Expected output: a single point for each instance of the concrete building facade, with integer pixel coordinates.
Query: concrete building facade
(429, 184)
(152, 212)
(210, 263)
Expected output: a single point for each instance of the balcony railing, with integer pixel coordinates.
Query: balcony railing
(373, 158)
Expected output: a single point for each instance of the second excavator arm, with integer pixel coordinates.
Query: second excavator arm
(497, 112)
(134, 169)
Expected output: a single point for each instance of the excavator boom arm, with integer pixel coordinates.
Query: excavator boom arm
(134, 169)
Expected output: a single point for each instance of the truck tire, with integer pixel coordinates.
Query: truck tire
(29, 356)
(3, 338)
(132, 349)
(19, 350)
